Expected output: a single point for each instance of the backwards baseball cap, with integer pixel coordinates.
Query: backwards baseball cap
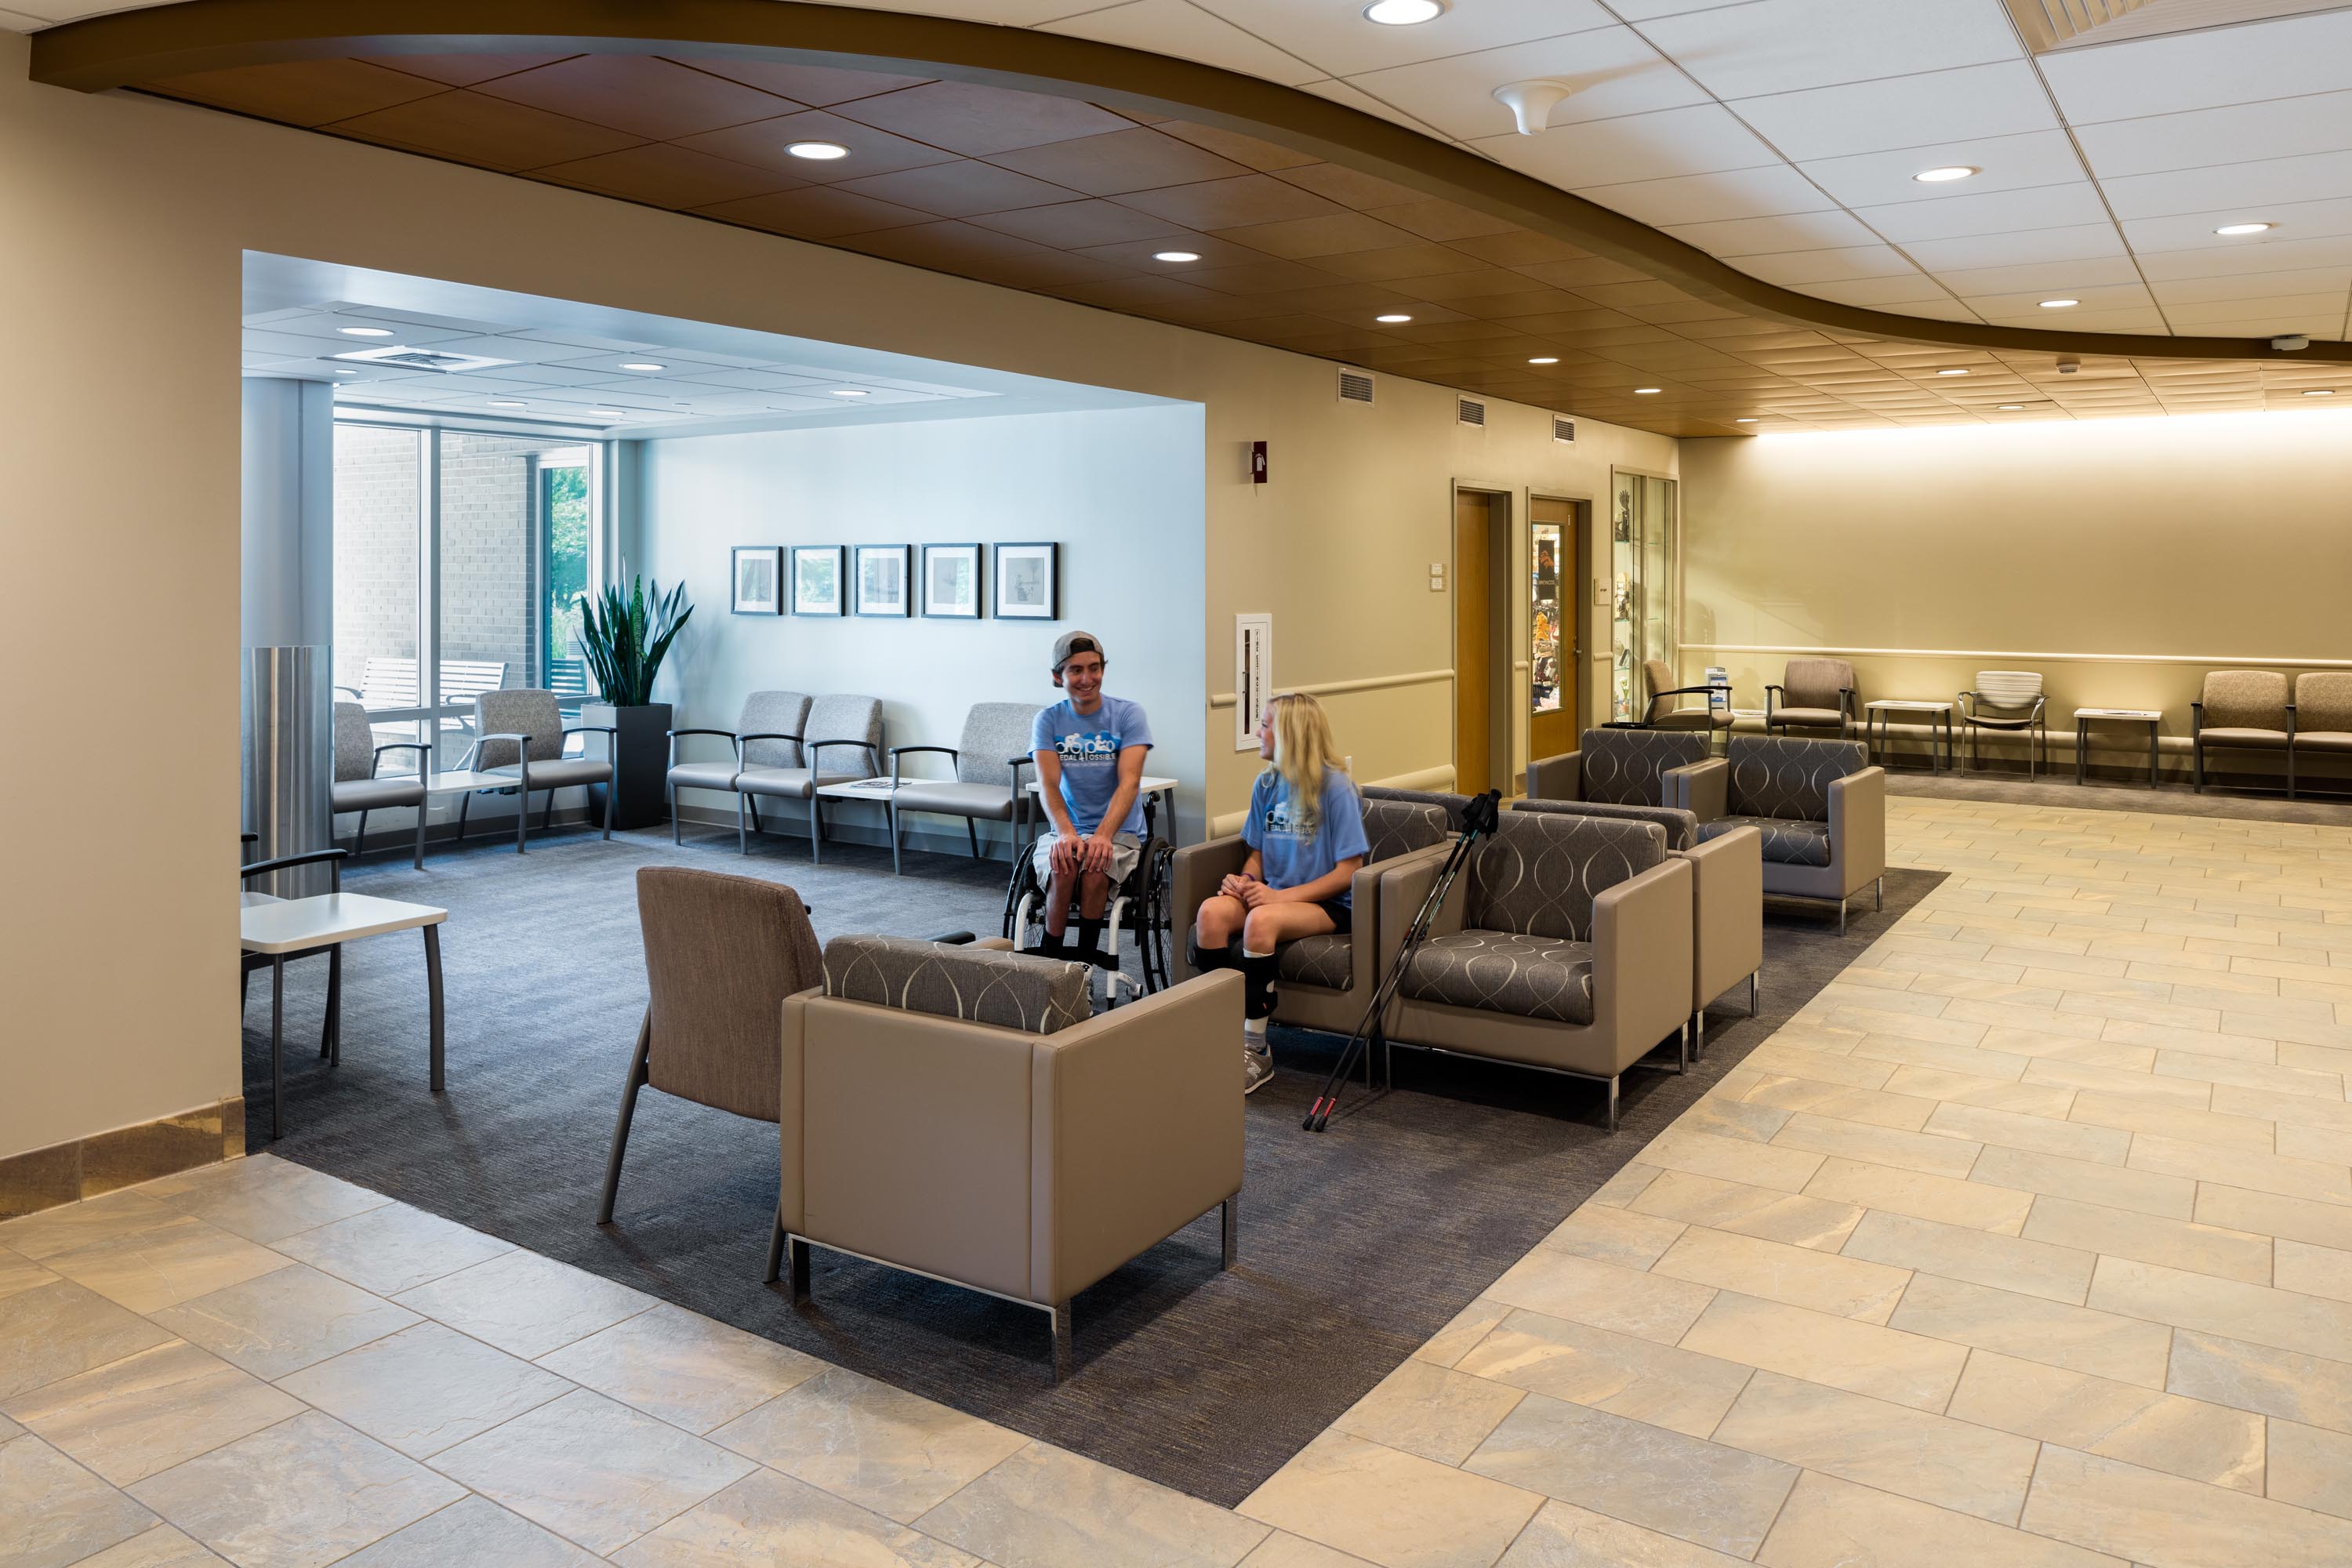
(1070, 642)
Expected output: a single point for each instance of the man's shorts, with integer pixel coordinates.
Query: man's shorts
(1124, 853)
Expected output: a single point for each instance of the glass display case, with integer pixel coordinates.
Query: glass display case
(1547, 652)
(1643, 566)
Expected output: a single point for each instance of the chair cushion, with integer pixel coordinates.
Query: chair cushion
(704, 775)
(2245, 700)
(2323, 739)
(561, 772)
(354, 743)
(991, 801)
(1622, 766)
(517, 712)
(1394, 827)
(1786, 843)
(993, 734)
(1326, 961)
(1693, 719)
(2323, 702)
(2240, 737)
(774, 714)
(2008, 687)
(1505, 971)
(375, 794)
(1451, 804)
(1788, 777)
(792, 784)
(1816, 683)
(1541, 871)
(1809, 718)
(1984, 720)
(979, 985)
(1681, 827)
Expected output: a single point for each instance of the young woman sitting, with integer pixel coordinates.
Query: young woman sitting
(1305, 834)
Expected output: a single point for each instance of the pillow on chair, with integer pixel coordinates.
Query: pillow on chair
(980, 985)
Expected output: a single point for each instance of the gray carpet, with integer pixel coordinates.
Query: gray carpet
(1355, 1245)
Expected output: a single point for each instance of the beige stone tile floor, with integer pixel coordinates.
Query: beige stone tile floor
(2028, 1241)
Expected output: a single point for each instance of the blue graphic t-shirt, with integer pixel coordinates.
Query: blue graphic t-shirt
(1089, 746)
(1290, 857)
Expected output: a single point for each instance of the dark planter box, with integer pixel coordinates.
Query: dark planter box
(640, 760)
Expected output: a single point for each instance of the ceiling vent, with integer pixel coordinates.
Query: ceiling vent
(1564, 429)
(430, 360)
(1355, 386)
(1468, 411)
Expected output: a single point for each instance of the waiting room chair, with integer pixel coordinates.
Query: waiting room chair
(840, 724)
(987, 759)
(1664, 714)
(1618, 767)
(2007, 700)
(2323, 712)
(1320, 981)
(1566, 947)
(355, 786)
(520, 733)
(960, 1115)
(1451, 804)
(721, 955)
(780, 716)
(1820, 806)
(2241, 710)
(331, 1024)
(1813, 694)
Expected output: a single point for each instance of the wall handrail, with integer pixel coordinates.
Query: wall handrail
(1340, 687)
(2229, 660)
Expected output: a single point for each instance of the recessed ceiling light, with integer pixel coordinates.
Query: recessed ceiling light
(2319, 392)
(1951, 373)
(818, 151)
(1949, 171)
(1647, 391)
(1392, 319)
(504, 403)
(2060, 304)
(1545, 359)
(2012, 408)
(607, 414)
(1750, 420)
(2234, 228)
(1404, 13)
(366, 332)
(642, 365)
(1175, 256)
(848, 392)
(347, 372)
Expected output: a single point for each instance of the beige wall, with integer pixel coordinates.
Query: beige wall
(126, 219)
(2122, 558)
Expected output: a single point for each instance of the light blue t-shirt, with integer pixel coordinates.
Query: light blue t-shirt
(1290, 857)
(1089, 746)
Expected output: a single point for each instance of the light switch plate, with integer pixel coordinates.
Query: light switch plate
(1437, 576)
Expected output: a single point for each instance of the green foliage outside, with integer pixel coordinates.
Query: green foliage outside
(567, 556)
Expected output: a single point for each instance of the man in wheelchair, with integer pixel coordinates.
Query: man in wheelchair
(1090, 750)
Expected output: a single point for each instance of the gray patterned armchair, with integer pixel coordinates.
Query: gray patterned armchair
(987, 759)
(1812, 694)
(519, 732)
(2243, 709)
(1820, 810)
(1567, 947)
(774, 720)
(1323, 982)
(848, 728)
(1640, 768)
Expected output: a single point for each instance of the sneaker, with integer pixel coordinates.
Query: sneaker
(1258, 1063)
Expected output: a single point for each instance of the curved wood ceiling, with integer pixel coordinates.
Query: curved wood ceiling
(1062, 164)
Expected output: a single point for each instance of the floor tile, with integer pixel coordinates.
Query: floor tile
(304, 1492)
(70, 1226)
(2263, 1105)
(2106, 1344)
(1471, 1324)
(284, 1320)
(18, 1272)
(1840, 1101)
(1826, 1282)
(1977, 1205)
(768, 1518)
(131, 1418)
(2055, 1073)
(2311, 1468)
(2268, 1213)
(1283, 1550)
(2015, 1130)
(1626, 1237)
(2291, 1385)
(1779, 1054)
(2200, 1302)
(58, 1330)
(1561, 1285)
(1981, 1257)
(1390, 1508)
(2177, 1244)
(2136, 1115)
(683, 1367)
(165, 1264)
(53, 1511)
(2114, 1186)
(2328, 1145)
(1727, 1118)
(2118, 1420)
(1963, 1088)
(392, 1248)
(263, 1198)
(161, 1547)
(1045, 1508)
(1708, 1493)
(1562, 1535)
(1878, 1146)
(1831, 1524)
(1442, 1413)
(1732, 1159)
(1750, 1211)
(473, 1530)
(2243, 1168)
(865, 1441)
(525, 1304)
(2314, 1271)
(1680, 1389)
(1860, 1358)
(2167, 1522)
(425, 1389)
(1912, 1453)
(592, 1470)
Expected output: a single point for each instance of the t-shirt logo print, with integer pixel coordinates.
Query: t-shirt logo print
(1099, 746)
(1281, 819)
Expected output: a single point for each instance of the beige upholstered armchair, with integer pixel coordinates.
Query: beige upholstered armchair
(956, 1113)
(987, 759)
(1664, 714)
(1820, 809)
(2323, 711)
(774, 718)
(356, 787)
(1621, 767)
(842, 743)
(1566, 947)
(1813, 694)
(2243, 709)
(1321, 982)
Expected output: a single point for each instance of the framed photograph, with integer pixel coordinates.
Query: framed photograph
(880, 585)
(951, 581)
(816, 579)
(758, 580)
(1028, 582)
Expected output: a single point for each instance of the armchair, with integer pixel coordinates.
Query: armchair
(1813, 694)
(2323, 711)
(355, 786)
(1660, 714)
(1621, 767)
(773, 718)
(983, 787)
(954, 1111)
(521, 731)
(1819, 810)
(2008, 700)
(2241, 710)
(852, 724)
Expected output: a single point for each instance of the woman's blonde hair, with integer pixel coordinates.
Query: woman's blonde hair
(1303, 749)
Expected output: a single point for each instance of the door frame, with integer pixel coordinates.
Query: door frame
(1578, 672)
(1502, 671)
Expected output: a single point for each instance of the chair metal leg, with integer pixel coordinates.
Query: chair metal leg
(465, 804)
(742, 839)
(327, 1030)
(424, 809)
(898, 838)
(611, 797)
(1613, 1105)
(676, 829)
(436, 1051)
(1878, 894)
(1062, 1353)
(972, 831)
(277, 1039)
(1682, 1048)
(2197, 765)
(359, 841)
(621, 1126)
(1229, 1221)
(1698, 1034)
(1756, 992)
(776, 1248)
(797, 1263)
(547, 814)
(816, 824)
(1841, 917)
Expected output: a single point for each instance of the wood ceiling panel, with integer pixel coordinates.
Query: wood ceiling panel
(958, 190)
(818, 85)
(1248, 151)
(309, 94)
(1137, 158)
(641, 94)
(762, 145)
(977, 120)
(1399, 261)
(457, 70)
(474, 129)
(1076, 225)
(662, 175)
(1239, 203)
(816, 212)
(1308, 239)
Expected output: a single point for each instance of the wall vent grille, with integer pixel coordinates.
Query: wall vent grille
(1355, 386)
(1564, 429)
(1467, 411)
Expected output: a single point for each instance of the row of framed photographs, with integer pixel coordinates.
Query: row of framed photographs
(875, 580)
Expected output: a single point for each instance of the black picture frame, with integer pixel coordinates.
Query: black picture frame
(754, 556)
(1022, 602)
(824, 559)
(975, 557)
(904, 556)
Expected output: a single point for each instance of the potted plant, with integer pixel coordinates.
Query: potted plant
(625, 639)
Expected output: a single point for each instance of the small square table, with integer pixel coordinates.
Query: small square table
(2086, 717)
(281, 929)
(1877, 718)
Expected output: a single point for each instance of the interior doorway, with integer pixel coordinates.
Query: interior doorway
(1482, 659)
(1555, 651)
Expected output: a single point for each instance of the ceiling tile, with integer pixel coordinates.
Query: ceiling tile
(640, 94)
(2335, 280)
(1141, 252)
(1136, 159)
(2321, 315)
(964, 117)
(1260, 278)
(1357, 98)
(1179, 28)
(1700, 139)
(1794, 269)
(958, 190)
(1971, 103)
(2006, 163)
(462, 70)
(2221, 258)
(1250, 151)
(667, 176)
(312, 92)
(2284, 58)
(815, 212)
(1071, 226)
(2321, 122)
(1762, 235)
(816, 85)
(2194, 231)
(2246, 187)
(1438, 220)
(2076, 243)
(487, 130)
(2027, 304)
(1338, 38)
(2052, 276)
(1878, 291)
(1298, 239)
(1994, 212)
(1713, 198)
(2145, 319)
(762, 144)
(1613, 71)
(1787, 46)
(1349, 187)
(1234, 203)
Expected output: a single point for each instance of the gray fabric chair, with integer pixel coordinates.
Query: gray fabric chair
(1819, 808)
(846, 727)
(1621, 767)
(2323, 711)
(1664, 714)
(721, 955)
(2243, 709)
(355, 786)
(774, 719)
(1813, 694)
(521, 732)
(2009, 700)
(1451, 804)
(987, 760)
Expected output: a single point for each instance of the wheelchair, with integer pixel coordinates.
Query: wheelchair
(1139, 907)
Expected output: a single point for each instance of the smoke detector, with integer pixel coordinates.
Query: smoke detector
(2290, 342)
(2069, 366)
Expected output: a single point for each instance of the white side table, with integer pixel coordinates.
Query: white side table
(281, 929)
(2086, 717)
(1877, 718)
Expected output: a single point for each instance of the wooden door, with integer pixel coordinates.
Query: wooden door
(1551, 730)
(1474, 735)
